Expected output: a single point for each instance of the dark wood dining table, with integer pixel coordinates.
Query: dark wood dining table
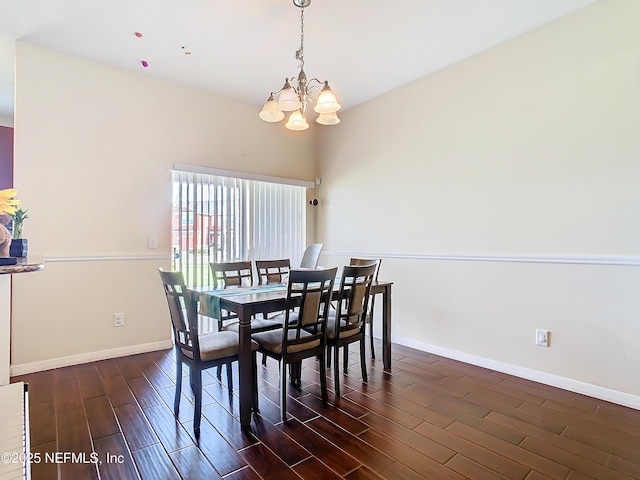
(245, 304)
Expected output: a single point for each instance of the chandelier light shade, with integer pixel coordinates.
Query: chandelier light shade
(328, 119)
(297, 121)
(327, 102)
(297, 92)
(270, 111)
(288, 100)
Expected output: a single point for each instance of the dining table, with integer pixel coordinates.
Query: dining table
(246, 302)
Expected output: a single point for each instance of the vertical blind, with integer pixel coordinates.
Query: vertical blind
(224, 219)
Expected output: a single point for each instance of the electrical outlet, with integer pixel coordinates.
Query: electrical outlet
(118, 319)
(542, 338)
(153, 241)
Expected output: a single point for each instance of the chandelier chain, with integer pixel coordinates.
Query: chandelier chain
(300, 53)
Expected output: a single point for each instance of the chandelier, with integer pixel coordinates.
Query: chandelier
(297, 92)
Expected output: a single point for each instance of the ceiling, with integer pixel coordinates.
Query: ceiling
(245, 49)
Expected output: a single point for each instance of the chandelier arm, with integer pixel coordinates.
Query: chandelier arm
(319, 84)
(293, 82)
(315, 89)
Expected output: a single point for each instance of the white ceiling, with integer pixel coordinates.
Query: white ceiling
(245, 49)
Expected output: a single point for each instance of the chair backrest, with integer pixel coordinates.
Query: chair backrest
(273, 271)
(232, 274)
(311, 256)
(367, 261)
(310, 291)
(183, 312)
(353, 297)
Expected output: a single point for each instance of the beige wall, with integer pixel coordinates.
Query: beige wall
(529, 151)
(94, 147)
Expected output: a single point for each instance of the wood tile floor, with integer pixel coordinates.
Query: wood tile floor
(430, 417)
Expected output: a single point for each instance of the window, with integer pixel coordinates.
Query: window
(222, 219)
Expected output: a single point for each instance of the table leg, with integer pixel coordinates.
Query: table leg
(386, 327)
(244, 368)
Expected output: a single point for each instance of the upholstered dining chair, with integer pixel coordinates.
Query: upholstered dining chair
(273, 271)
(310, 256)
(303, 333)
(270, 272)
(346, 324)
(371, 307)
(199, 352)
(233, 275)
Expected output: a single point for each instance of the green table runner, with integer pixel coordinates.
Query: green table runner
(210, 299)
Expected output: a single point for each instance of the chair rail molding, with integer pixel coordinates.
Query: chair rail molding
(622, 260)
(106, 257)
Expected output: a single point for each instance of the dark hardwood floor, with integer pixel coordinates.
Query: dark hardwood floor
(430, 417)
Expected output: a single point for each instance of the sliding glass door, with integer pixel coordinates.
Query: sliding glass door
(223, 219)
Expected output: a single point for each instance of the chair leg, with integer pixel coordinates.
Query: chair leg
(336, 371)
(264, 359)
(345, 358)
(283, 390)
(328, 357)
(254, 373)
(196, 383)
(296, 373)
(191, 380)
(323, 378)
(229, 378)
(299, 375)
(176, 402)
(219, 373)
(373, 350)
(363, 361)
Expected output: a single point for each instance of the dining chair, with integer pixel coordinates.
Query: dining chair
(199, 352)
(228, 275)
(303, 331)
(371, 307)
(346, 324)
(273, 271)
(233, 275)
(311, 256)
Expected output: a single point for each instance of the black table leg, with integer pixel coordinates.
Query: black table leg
(244, 368)
(386, 327)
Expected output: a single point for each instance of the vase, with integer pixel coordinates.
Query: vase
(5, 241)
(18, 247)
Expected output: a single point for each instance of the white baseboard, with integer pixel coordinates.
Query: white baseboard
(614, 396)
(32, 367)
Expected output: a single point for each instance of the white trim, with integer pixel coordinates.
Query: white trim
(596, 391)
(32, 367)
(185, 167)
(105, 258)
(513, 258)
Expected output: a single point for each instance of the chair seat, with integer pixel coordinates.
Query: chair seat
(219, 345)
(257, 325)
(272, 341)
(331, 325)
